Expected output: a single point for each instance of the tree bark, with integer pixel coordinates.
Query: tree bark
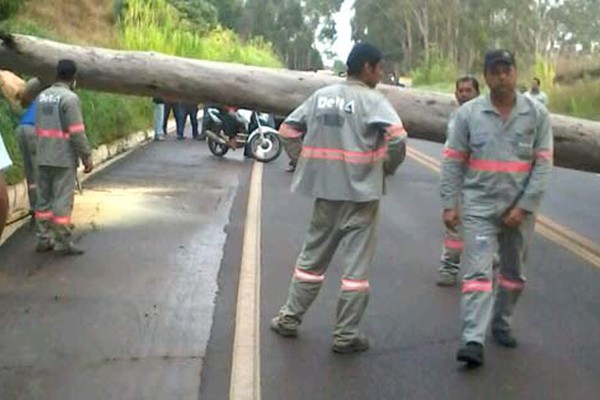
(425, 114)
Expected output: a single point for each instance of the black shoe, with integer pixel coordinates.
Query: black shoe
(504, 338)
(471, 353)
(358, 344)
(285, 326)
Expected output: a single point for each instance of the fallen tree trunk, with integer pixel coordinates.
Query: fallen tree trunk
(425, 114)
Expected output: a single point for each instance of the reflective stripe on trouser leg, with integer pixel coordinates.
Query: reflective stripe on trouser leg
(320, 243)
(359, 227)
(43, 213)
(480, 238)
(62, 204)
(513, 246)
(451, 251)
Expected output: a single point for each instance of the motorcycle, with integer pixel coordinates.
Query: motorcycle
(256, 133)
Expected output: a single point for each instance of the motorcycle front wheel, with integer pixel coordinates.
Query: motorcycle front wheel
(217, 148)
(266, 148)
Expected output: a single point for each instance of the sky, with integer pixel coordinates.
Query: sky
(343, 44)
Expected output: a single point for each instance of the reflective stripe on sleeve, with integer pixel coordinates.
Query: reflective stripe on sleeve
(289, 132)
(52, 133)
(453, 154)
(349, 157)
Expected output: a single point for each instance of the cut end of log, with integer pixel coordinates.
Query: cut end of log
(8, 40)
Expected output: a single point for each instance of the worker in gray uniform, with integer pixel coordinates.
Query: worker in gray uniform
(61, 143)
(467, 88)
(497, 160)
(352, 139)
(28, 139)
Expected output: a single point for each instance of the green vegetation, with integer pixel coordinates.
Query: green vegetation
(158, 26)
(128, 24)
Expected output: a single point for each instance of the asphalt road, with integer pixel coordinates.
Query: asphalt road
(149, 311)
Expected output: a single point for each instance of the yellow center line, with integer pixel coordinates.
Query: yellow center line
(578, 244)
(245, 365)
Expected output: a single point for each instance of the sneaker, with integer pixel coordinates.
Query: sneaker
(446, 279)
(44, 247)
(471, 353)
(504, 338)
(69, 250)
(285, 326)
(357, 344)
(159, 138)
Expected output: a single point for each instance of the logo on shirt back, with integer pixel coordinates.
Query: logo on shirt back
(324, 102)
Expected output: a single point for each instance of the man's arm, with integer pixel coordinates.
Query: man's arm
(542, 164)
(386, 120)
(292, 130)
(455, 155)
(73, 120)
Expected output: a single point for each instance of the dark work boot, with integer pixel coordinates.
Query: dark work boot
(285, 326)
(471, 353)
(70, 249)
(355, 345)
(504, 338)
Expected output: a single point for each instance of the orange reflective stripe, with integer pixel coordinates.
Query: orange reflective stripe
(509, 284)
(499, 166)
(453, 154)
(477, 286)
(52, 133)
(289, 132)
(76, 128)
(453, 244)
(306, 276)
(544, 155)
(355, 285)
(62, 220)
(350, 157)
(395, 131)
(43, 215)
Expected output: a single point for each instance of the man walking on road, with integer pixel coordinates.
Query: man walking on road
(467, 88)
(353, 139)
(5, 162)
(497, 160)
(185, 110)
(61, 143)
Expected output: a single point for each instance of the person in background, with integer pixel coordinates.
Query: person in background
(159, 118)
(5, 162)
(185, 110)
(536, 93)
(467, 88)
(170, 106)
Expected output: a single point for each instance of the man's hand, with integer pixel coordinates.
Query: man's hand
(514, 217)
(88, 165)
(451, 219)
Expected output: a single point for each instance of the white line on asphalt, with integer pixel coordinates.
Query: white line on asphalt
(245, 368)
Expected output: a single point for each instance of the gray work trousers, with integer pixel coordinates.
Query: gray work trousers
(28, 146)
(353, 227)
(486, 296)
(451, 251)
(56, 187)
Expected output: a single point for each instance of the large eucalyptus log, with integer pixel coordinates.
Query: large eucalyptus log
(280, 91)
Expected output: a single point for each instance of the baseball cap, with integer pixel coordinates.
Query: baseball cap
(498, 56)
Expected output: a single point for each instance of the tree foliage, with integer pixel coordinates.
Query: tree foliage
(411, 32)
